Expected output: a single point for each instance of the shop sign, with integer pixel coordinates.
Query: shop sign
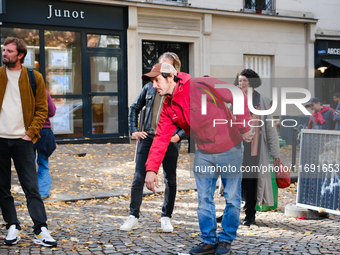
(333, 51)
(64, 13)
(59, 13)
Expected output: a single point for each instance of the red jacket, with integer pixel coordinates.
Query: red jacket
(183, 109)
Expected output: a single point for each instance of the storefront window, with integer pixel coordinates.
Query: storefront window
(68, 120)
(63, 62)
(103, 41)
(82, 60)
(31, 39)
(63, 75)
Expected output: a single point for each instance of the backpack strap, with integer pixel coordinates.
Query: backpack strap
(33, 82)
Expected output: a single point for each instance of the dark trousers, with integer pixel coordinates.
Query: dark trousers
(249, 182)
(249, 187)
(169, 167)
(23, 156)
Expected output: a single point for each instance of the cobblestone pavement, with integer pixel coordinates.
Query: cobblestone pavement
(91, 226)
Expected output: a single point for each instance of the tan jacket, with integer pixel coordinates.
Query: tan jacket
(269, 143)
(34, 109)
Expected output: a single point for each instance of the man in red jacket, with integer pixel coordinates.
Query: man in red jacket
(218, 135)
(322, 118)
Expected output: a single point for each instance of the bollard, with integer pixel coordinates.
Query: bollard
(294, 141)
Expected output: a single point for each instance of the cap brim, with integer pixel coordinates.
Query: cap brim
(148, 76)
(308, 104)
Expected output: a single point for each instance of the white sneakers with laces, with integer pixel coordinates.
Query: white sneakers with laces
(166, 224)
(130, 223)
(13, 236)
(44, 238)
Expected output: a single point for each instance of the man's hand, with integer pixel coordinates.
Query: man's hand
(337, 112)
(151, 179)
(138, 135)
(175, 138)
(247, 137)
(27, 138)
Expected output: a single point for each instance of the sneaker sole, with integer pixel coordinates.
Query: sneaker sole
(168, 231)
(128, 229)
(13, 243)
(44, 244)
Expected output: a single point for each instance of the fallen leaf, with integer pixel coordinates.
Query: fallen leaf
(321, 210)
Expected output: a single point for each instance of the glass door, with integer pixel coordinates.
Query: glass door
(104, 109)
(104, 94)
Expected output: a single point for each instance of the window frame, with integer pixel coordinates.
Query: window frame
(266, 6)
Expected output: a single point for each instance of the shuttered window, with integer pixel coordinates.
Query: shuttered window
(260, 64)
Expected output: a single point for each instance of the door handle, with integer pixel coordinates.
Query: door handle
(91, 95)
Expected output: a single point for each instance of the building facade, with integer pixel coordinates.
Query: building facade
(119, 40)
(327, 42)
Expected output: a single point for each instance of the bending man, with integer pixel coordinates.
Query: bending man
(219, 147)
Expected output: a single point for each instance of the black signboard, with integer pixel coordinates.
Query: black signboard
(326, 49)
(61, 13)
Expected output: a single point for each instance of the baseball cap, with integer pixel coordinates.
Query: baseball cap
(158, 69)
(311, 101)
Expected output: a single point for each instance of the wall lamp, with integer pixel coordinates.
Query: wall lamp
(322, 69)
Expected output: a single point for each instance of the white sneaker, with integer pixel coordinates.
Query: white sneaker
(130, 223)
(243, 203)
(44, 238)
(13, 235)
(166, 224)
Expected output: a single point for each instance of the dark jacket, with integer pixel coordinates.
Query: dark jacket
(35, 108)
(329, 122)
(46, 142)
(146, 98)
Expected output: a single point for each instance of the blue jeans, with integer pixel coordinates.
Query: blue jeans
(207, 168)
(169, 170)
(22, 153)
(44, 177)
